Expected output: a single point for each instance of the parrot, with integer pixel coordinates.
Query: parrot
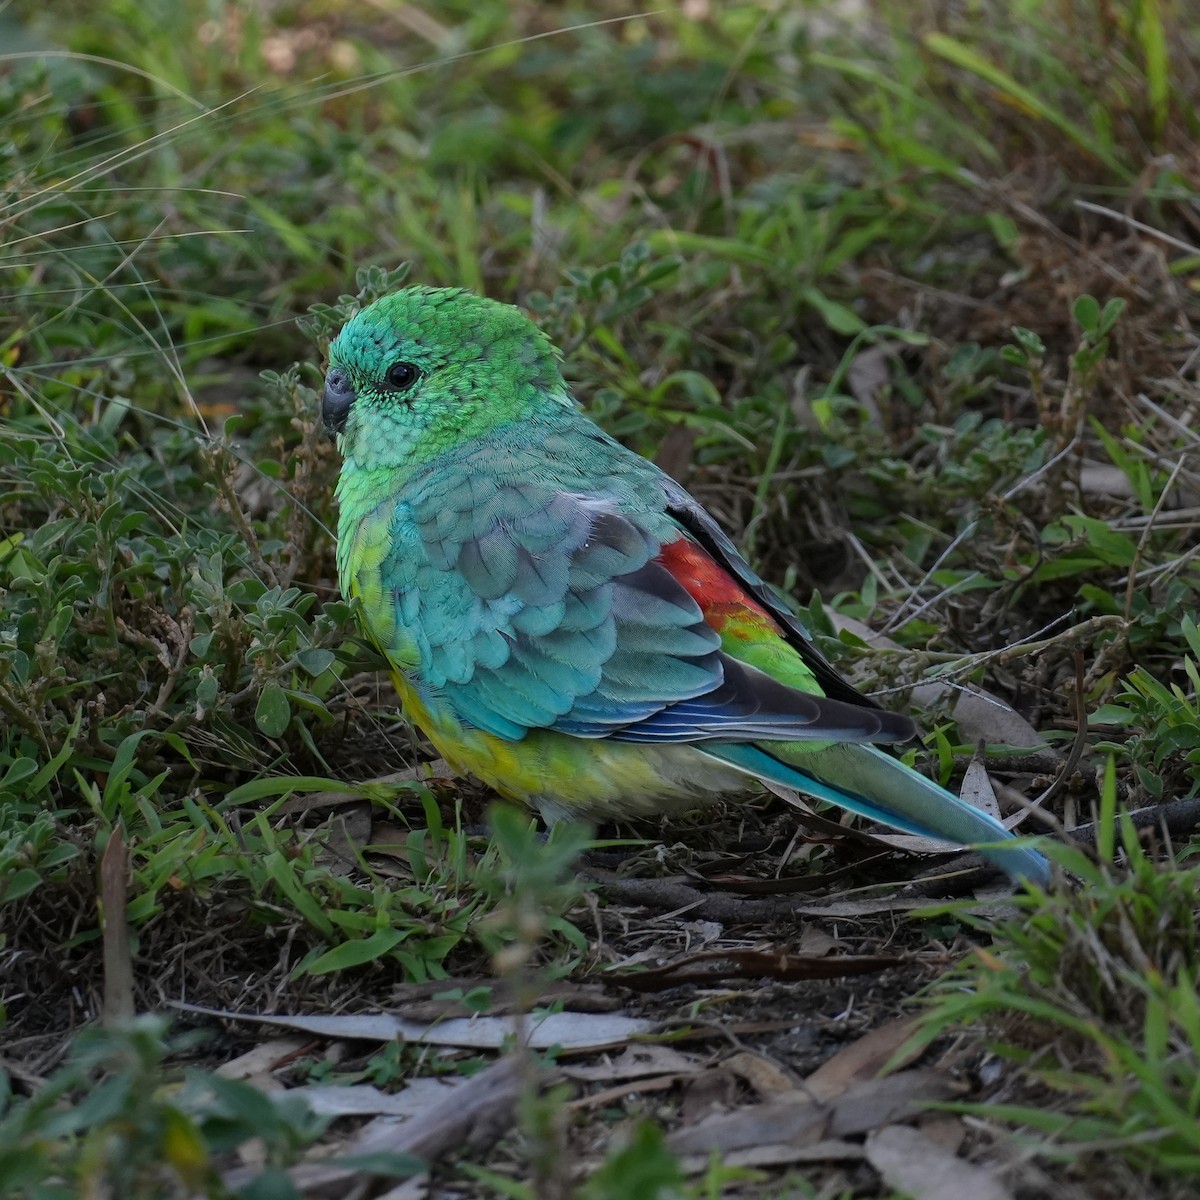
(562, 619)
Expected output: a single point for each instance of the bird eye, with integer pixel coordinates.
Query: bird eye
(402, 376)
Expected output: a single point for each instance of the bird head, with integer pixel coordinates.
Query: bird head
(425, 369)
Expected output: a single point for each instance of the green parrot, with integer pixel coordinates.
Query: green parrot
(562, 619)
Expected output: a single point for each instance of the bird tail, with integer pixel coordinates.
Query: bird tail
(877, 786)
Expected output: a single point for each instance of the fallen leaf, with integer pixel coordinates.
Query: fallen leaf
(870, 376)
(914, 1164)
(874, 1102)
(470, 1116)
(347, 833)
(816, 942)
(636, 1062)
(441, 998)
(826, 1150)
(977, 788)
(945, 1129)
(707, 1091)
(713, 965)
(366, 1100)
(568, 1031)
(802, 1119)
(262, 1058)
(796, 1121)
(982, 717)
(761, 1074)
(863, 1059)
(1104, 479)
(391, 839)
(416, 1188)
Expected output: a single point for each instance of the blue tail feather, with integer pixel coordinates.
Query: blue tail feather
(877, 786)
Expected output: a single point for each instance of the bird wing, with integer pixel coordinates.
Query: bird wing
(703, 530)
(526, 606)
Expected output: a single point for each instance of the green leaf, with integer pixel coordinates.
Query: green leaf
(837, 316)
(1086, 311)
(1029, 341)
(354, 954)
(19, 769)
(1152, 36)
(20, 883)
(273, 712)
(314, 661)
(644, 1167)
(282, 870)
(285, 785)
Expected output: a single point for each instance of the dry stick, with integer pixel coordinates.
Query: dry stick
(727, 909)
(118, 963)
(22, 716)
(1177, 818)
(473, 1115)
(1137, 554)
(1141, 227)
(1077, 745)
(1185, 431)
(1039, 762)
(958, 664)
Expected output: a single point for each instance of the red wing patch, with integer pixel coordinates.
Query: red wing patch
(722, 600)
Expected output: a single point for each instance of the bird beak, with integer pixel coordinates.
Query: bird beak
(335, 405)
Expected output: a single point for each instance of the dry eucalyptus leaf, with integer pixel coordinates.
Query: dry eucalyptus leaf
(761, 1074)
(366, 1100)
(826, 1150)
(800, 1119)
(569, 1031)
(917, 1166)
(862, 1059)
(262, 1058)
(636, 1062)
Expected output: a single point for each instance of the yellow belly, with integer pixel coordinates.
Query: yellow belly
(564, 776)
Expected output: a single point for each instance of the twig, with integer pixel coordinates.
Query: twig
(118, 963)
(1140, 226)
(1077, 746)
(666, 896)
(473, 1115)
(1137, 554)
(23, 717)
(1177, 818)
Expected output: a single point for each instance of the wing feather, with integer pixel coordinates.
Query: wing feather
(530, 605)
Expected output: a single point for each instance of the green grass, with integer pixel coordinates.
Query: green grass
(1094, 994)
(836, 268)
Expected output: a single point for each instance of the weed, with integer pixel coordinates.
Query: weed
(1094, 993)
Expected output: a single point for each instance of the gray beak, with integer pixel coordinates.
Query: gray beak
(339, 396)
